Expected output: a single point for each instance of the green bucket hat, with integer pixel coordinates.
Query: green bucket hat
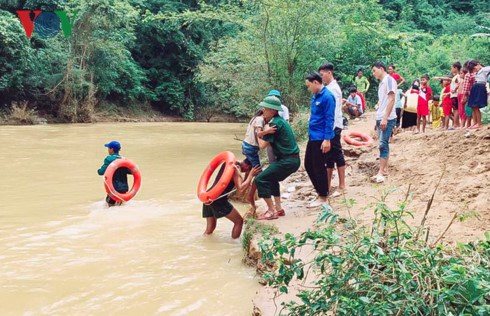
(271, 103)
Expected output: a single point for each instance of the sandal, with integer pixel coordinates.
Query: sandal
(336, 194)
(265, 217)
(280, 213)
(378, 178)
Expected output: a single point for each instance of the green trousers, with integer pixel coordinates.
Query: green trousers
(268, 180)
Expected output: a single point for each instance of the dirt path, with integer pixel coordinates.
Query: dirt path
(417, 161)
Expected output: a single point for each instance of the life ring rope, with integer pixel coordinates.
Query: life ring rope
(219, 197)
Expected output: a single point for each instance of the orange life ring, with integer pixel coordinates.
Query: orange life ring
(202, 188)
(366, 140)
(109, 186)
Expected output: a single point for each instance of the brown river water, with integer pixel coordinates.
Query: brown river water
(63, 252)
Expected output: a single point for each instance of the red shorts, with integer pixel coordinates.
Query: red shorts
(447, 109)
(447, 106)
(422, 109)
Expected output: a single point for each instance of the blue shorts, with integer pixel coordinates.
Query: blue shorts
(252, 153)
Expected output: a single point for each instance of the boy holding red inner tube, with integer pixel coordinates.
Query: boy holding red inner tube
(221, 207)
(120, 179)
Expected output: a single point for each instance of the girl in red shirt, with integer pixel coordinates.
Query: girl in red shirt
(447, 105)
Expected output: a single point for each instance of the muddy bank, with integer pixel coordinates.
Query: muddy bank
(459, 159)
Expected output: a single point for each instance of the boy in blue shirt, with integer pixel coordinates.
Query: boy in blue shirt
(120, 179)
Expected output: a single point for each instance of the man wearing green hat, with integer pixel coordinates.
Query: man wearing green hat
(284, 113)
(280, 137)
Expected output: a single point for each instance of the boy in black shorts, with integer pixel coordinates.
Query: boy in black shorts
(222, 207)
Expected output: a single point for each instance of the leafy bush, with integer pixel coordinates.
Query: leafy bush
(252, 228)
(386, 270)
(299, 125)
(485, 115)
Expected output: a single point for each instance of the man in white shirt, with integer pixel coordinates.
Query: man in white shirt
(336, 154)
(385, 117)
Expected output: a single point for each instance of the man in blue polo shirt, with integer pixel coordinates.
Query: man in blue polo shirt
(320, 132)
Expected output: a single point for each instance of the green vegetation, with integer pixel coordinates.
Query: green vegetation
(299, 125)
(256, 229)
(389, 269)
(197, 59)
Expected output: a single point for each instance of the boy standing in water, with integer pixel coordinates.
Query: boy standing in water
(222, 207)
(120, 179)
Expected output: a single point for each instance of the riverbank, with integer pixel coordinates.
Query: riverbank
(22, 114)
(417, 163)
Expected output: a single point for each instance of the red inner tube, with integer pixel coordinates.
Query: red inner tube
(203, 194)
(109, 174)
(350, 136)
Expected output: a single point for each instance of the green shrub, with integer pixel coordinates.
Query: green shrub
(485, 115)
(252, 228)
(299, 124)
(386, 270)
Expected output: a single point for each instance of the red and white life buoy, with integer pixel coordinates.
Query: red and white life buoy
(350, 136)
(203, 194)
(109, 174)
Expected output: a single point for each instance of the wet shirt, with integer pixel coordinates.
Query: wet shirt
(283, 142)
(120, 179)
(322, 116)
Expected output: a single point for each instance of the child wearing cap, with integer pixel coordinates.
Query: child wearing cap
(120, 179)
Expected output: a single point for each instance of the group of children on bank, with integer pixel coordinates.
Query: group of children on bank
(463, 93)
